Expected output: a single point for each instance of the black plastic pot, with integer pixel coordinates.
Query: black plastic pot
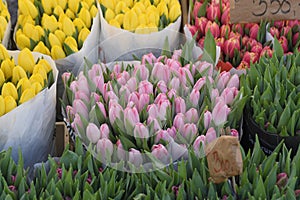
(268, 141)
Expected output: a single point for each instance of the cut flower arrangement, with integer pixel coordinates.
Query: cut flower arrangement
(55, 28)
(152, 110)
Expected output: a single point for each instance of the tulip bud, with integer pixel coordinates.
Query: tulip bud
(115, 110)
(160, 152)
(222, 80)
(148, 58)
(196, 146)
(105, 149)
(3, 53)
(37, 78)
(9, 89)
(7, 66)
(253, 33)
(214, 29)
(225, 18)
(26, 60)
(191, 116)
(163, 9)
(93, 11)
(121, 7)
(48, 6)
(153, 17)
(2, 106)
(229, 95)
(58, 10)
(210, 135)
(178, 122)
(207, 119)
(57, 52)
(93, 133)
(37, 87)
(201, 24)
(175, 12)
(54, 40)
(163, 135)
(85, 16)
(28, 94)
(180, 106)
(49, 22)
(130, 21)
(135, 157)
(80, 108)
(140, 131)
(24, 83)
(161, 72)
(60, 35)
(132, 84)
(250, 57)
(282, 179)
(102, 108)
(77, 123)
(46, 65)
(234, 81)
(143, 101)
(145, 87)
(18, 73)
(189, 132)
(27, 7)
(234, 133)
(71, 42)
(266, 51)
(10, 103)
(131, 117)
(156, 124)
(2, 78)
(68, 27)
(194, 97)
(220, 113)
(22, 41)
(161, 87)
(83, 34)
(284, 43)
(213, 12)
(142, 72)
(40, 47)
(30, 31)
(108, 3)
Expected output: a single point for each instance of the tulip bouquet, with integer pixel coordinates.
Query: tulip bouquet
(154, 109)
(274, 87)
(142, 17)
(4, 23)
(55, 28)
(287, 33)
(241, 44)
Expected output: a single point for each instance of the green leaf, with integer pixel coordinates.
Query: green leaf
(259, 191)
(202, 10)
(209, 51)
(278, 50)
(284, 118)
(69, 159)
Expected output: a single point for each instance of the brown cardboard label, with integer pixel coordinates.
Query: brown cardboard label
(224, 158)
(243, 11)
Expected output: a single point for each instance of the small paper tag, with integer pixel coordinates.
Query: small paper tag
(224, 158)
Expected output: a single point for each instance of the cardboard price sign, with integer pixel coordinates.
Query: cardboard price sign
(224, 158)
(243, 11)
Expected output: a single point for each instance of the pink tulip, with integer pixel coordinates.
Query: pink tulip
(131, 117)
(224, 30)
(257, 48)
(162, 59)
(193, 29)
(292, 23)
(248, 26)
(235, 35)
(93, 133)
(134, 97)
(132, 84)
(196, 146)
(104, 131)
(220, 113)
(117, 69)
(250, 57)
(95, 71)
(110, 95)
(172, 131)
(99, 83)
(143, 101)
(191, 68)
(245, 40)
(222, 80)
(74, 86)
(178, 122)
(253, 33)
(279, 24)
(105, 149)
(83, 84)
(172, 94)
(95, 96)
(148, 58)
(65, 78)
(105, 88)
(123, 77)
(135, 157)
(214, 29)
(237, 28)
(197, 6)
(140, 131)
(161, 85)
(207, 119)
(145, 87)
(102, 108)
(191, 116)
(201, 42)
(180, 106)
(225, 18)
(229, 95)
(114, 111)
(189, 131)
(160, 97)
(230, 45)
(200, 83)
(77, 123)
(160, 152)
(121, 154)
(152, 110)
(162, 108)
(284, 43)
(213, 12)
(174, 83)
(194, 97)
(201, 24)
(285, 30)
(214, 94)
(210, 135)
(142, 72)
(156, 124)
(70, 112)
(174, 65)
(124, 93)
(295, 38)
(163, 135)
(206, 67)
(161, 72)
(234, 133)
(266, 51)
(282, 180)
(176, 54)
(274, 32)
(81, 95)
(234, 81)
(80, 108)
(183, 74)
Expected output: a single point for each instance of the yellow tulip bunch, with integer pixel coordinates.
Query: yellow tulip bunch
(21, 82)
(54, 27)
(140, 16)
(4, 19)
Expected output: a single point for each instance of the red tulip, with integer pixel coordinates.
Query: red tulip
(295, 38)
(266, 50)
(250, 57)
(237, 28)
(220, 42)
(257, 48)
(201, 42)
(160, 152)
(214, 28)
(245, 40)
(224, 30)
(253, 33)
(243, 65)
(201, 23)
(282, 179)
(197, 6)
(225, 18)
(284, 43)
(230, 45)
(213, 12)
(285, 30)
(274, 32)
(279, 24)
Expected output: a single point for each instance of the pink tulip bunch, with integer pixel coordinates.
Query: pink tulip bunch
(240, 44)
(287, 33)
(153, 110)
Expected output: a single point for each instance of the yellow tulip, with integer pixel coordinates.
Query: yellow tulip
(40, 30)
(83, 34)
(114, 23)
(147, 3)
(9, 89)
(26, 7)
(57, 52)
(73, 5)
(2, 106)
(151, 8)
(58, 10)
(152, 28)
(62, 17)
(79, 24)
(84, 5)
(70, 14)
(30, 31)
(85, 16)
(7, 66)
(163, 9)
(54, 40)
(23, 83)
(10, 103)
(36, 87)
(129, 3)
(90, 3)
(40, 47)
(2, 78)
(23, 41)
(47, 6)
(109, 14)
(68, 27)
(28, 94)
(37, 78)
(22, 19)
(3, 53)
(18, 73)
(156, 2)
(26, 60)
(142, 29)
(139, 8)
(121, 7)
(70, 41)
(60, 35)
(143, 19)
(45, 64)
(49, 22)
(3, 22)
(130, 21)
(1, 33)
(93, 11)
(153, 17)
(108, 3)
(62, 3)
(175, 12)
(5, 14)
(120, 18)
(39, 69)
